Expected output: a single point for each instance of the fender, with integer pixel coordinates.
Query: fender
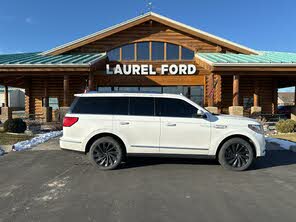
(217, 141)
(100, 131)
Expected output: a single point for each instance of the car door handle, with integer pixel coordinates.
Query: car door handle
(171, 124)
(124, 123)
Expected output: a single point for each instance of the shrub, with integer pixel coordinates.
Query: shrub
(285, 126)
(15, 126)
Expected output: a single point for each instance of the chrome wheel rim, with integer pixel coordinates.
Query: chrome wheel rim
(106, 154)
(237, 155)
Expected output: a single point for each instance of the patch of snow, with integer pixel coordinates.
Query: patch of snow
(28, 144)
(2, 152)
(282, 143)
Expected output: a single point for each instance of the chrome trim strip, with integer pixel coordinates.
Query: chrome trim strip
(69, 141)
(167, 147)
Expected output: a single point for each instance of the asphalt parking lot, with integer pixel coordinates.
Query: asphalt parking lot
(56, 185)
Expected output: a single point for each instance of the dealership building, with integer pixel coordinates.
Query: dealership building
(151, 53)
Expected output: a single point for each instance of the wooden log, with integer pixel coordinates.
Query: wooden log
(235, 94)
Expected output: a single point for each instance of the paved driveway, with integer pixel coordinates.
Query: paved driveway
(55, 185)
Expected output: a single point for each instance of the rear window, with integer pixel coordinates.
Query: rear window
(100, 105)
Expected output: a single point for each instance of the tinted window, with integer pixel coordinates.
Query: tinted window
(140, 106)
(128, 52)
(172, 52)
(175, 108)
(143, 51)
(187, 54)
(100, 105)
(157, 51)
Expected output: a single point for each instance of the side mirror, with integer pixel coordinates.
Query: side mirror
(200, 113)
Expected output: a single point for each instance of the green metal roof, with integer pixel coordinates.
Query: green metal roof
(272, 58)
(36, 59)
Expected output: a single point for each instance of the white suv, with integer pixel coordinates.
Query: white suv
(111, 126)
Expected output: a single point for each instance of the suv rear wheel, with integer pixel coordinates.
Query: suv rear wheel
(236, 154)
(106, 153)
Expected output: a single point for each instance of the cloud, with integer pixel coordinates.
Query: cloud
(29, 20)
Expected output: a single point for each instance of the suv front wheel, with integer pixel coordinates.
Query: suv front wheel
(236, 154)
(106, 153)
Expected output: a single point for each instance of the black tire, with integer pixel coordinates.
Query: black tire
(106, 153)
(236, 154)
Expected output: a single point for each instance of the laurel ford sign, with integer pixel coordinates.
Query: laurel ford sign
(145, 69)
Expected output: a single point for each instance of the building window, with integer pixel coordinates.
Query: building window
(114, 55)
(187, 54)
(52, 102)
(194, 93)
(143, 51)
(128, 52)
(157, 51)
(172, 52)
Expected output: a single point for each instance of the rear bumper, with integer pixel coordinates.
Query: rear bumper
(71, 145)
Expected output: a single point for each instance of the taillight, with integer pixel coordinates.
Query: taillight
(69, 121)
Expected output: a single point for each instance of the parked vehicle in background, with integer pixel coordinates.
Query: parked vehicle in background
(111, 126)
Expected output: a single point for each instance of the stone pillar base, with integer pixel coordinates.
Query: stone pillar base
(212, 109)
(6, 113)
(293, 113)
(256, 110)
(236, 110)
(47, 113)
(62, 112)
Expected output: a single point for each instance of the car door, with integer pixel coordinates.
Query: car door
(140, 128)
(181, 130)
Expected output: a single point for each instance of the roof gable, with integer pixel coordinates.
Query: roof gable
(143, 18)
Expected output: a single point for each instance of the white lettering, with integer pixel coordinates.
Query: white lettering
(136, 70)
(151, 71)
(191, 69)
(182, 69)
(117, 70)
(108, 71)
(144, 69)
(127, 69)
(164, 69)
(173, 69)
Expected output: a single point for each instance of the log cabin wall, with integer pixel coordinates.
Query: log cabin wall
(34, 94)
(246, 90)
(150, 31)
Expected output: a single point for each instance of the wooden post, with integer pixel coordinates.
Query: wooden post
(211, 90)
(235, 96)
(46, 99)
(66, 91)
(91, 82)
(5, 96)
(256, 94)
(274, 97)
(295, 96)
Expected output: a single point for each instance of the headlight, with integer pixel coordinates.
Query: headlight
(256, 128)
